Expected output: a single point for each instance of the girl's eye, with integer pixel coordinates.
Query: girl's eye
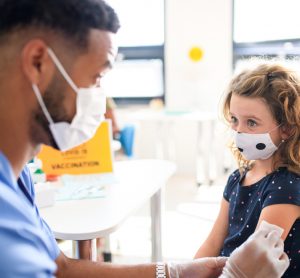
(233, 120)
(251, 123)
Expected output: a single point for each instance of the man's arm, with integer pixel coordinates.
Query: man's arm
(204, 268)
(67, 267)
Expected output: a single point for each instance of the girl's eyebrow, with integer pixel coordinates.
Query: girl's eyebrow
(246, 116)
(252, 117)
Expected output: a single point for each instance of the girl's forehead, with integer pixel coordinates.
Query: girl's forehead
(248, 106)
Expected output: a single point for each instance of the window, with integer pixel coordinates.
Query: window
(142, 22)
(128, 79)
(266, 20)
(266, 28)
(139, 75)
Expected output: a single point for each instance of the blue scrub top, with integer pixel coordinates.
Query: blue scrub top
(27, 245)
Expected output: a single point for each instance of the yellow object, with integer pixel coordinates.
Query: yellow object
(196, 54)
(94, 156)
(156, 104)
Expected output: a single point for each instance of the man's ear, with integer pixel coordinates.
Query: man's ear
(37, 64)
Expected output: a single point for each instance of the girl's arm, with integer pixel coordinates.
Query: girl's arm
(214, 242)
(282, 215)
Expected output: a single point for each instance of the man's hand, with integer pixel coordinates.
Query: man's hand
(199, 268)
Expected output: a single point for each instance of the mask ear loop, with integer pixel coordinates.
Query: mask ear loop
(281, 143)
(275, 128)
(41, 102)
(284, 140)
(61, 69)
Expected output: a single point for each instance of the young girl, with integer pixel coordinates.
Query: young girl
(263, 109)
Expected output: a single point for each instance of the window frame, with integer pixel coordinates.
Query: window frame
(263, 49)
(144, 53)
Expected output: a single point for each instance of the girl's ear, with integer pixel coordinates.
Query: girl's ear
(286, 131)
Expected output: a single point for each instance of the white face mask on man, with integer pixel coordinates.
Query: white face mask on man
(255, 146)
(90, 109)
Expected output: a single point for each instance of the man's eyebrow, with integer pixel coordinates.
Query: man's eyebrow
(108, 64)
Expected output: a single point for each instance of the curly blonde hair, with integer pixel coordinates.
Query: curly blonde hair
(280, 89)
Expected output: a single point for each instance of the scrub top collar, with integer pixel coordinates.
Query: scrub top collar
(25, 191)
(6, 172)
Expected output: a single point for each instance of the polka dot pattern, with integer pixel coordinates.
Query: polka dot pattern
(260, 146)
(247, 202)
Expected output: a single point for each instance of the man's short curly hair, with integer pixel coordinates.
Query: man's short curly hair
(72, 19)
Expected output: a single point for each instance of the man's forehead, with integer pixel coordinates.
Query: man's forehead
(102, 49)
(101, 42)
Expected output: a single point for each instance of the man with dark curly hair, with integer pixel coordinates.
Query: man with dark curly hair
(53, 54)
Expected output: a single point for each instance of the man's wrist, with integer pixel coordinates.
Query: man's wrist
(172, 270)
(161, 270)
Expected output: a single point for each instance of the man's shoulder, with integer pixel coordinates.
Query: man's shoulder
(21, 256)
(8, 195)
(21, 239)
(15, 211)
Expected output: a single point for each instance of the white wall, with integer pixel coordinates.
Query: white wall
(189, 85)
(204, 23)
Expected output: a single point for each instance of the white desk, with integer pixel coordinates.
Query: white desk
(85, 220)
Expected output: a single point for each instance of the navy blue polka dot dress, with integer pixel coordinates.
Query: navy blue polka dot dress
(247, 202)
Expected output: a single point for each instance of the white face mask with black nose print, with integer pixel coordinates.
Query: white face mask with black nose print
(255, 146)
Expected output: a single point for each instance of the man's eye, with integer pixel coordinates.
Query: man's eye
(98, 79)
(252, 123)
